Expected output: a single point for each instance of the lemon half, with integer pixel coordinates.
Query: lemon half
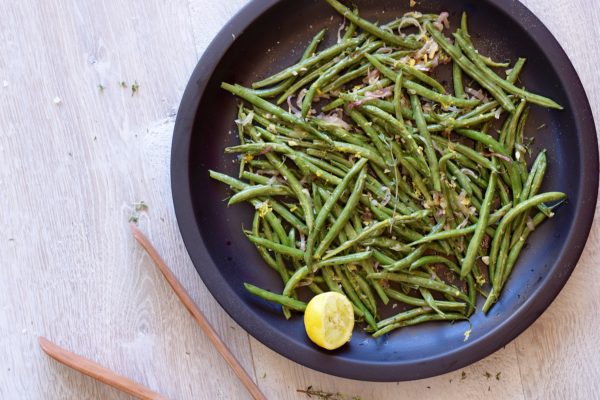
(329, 320)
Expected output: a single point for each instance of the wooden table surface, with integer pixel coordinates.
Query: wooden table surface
(75, 157)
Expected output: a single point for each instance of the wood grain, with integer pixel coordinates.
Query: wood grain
(97, 371)
(195, 312)
(71, 172)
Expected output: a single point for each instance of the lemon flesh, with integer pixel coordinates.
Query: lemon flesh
(329, 320)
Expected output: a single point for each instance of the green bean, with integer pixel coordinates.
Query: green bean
(398, 98)
(470, 68)
(512, 127)
(464, 23)
(491, 63)
(368, 268)
(275, 223)
(531, 188)
(389, 108)
(353, 296)
(296, 187)
(306, 79)
(484, 214)
(421, 282)
(520, 148)
(502, 83)
(488, 61)
(481, 174)
(495, 217)
(332, 72)
(277, 247)
(281, 210)
(451, 123)
(464, 181)
(347, 77)
(395, 185)
(316, 289)
(399, 128)
(363, 291)
(326, 209)
(286, 301)
(413, 301)
(357, 93)
(387, 243)
(259, 148)
(419, 320)
(375, 228)
(466, 151)
(320, 173)
(266, 256)
(341, 133)
(360, 151)
(328, 277)
(372, 28)
(499, 266)
(415, 73)
(314, 43)
(516, 70)
(430, 300)
(240, 130)
(344, 216)
(487, 140)
(272, 123)
(429, 150)
(256, 178)
(422, 91)
(457, 82)
(427, 260)
(406, 261)
(417, 180)
(365, 125)
(310, 49)
(247, 95)
(309, 62)
(482, 109)
(350, 30)
(515, 249)
(294, 280)
(504, 223)
(277, 263)
(402, 316)
(346, 259)
(325, 166)
(228, 180)
(258, 191)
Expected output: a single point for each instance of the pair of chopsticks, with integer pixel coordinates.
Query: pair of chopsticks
(109, 377)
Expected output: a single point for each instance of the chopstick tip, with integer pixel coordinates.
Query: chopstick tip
(44, 343)
(135, 231)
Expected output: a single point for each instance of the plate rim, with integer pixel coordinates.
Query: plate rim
(479, 348)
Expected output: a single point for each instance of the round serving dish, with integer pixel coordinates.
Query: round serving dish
(267, 35)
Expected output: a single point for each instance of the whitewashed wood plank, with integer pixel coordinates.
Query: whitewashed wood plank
(559, 355)
(208, 17)
(71, 171)
(69, 175)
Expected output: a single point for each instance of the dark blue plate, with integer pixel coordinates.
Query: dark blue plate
(268, 35)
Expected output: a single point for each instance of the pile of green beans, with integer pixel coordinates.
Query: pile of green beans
(371, 178)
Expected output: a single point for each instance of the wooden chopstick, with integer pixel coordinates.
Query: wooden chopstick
(197, 315)
(97, 371)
